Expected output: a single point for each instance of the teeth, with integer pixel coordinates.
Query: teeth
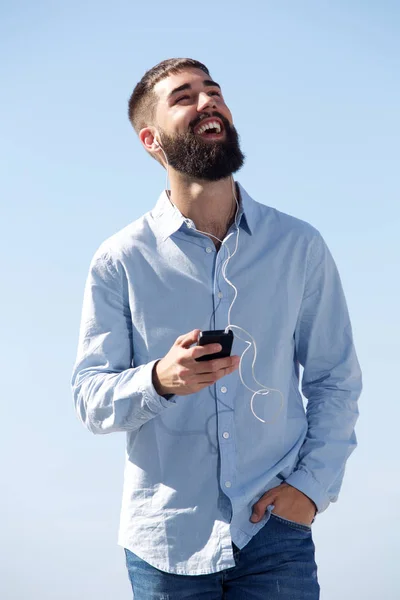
(210, 125)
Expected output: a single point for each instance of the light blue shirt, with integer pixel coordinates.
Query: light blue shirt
(196, 464)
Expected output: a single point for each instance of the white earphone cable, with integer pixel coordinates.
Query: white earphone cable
(263, 391)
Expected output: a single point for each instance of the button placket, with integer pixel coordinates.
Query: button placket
(227, 452)
(225, 417)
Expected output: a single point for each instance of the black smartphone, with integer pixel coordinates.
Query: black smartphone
(216, 336)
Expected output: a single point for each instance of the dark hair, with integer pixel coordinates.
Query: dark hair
(143, 100)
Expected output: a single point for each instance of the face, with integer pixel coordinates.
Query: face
(195, 126)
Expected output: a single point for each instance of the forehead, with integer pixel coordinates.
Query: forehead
(193, 77)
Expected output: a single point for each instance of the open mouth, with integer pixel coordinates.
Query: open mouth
(211, 128)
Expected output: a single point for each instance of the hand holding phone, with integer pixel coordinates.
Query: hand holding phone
(181, 372)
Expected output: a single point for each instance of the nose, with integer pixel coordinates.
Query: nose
(205, 101)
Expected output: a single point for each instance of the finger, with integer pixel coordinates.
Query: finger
(226, 371)
(198, 351)
(259, 511)
(260, 507)
(211, 378)
(217, 365)
(206, 380)
(188, 339)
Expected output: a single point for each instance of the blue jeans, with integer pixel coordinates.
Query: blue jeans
(277, 564)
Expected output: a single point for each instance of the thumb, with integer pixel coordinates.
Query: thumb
(260, 508)
(189, 339)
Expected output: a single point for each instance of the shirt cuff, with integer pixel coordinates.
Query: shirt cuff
(305, 482)
(152, 399)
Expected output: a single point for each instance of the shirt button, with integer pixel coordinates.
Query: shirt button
(209, 250)
(220, 295)
(224, 389)
(225, 435)
(228, 484)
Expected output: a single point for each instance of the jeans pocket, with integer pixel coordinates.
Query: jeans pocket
(292, 524)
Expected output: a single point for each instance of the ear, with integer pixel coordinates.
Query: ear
(148, 139)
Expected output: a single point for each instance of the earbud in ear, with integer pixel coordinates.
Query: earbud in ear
(156, 144)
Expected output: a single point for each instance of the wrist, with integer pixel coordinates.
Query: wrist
(158, 386)
(311, 502)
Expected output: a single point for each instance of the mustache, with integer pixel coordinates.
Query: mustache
(201, 118)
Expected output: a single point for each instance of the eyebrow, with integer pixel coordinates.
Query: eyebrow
(187, 86)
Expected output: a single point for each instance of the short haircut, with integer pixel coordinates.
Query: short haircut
(142, 103)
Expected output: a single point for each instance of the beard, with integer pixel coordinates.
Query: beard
(189, 154)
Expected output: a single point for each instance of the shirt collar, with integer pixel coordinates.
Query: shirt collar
(169, 218)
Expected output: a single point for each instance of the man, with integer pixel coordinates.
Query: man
(221, 487)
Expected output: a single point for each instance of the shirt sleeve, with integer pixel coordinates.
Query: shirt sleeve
(331, 380)
(109, 394)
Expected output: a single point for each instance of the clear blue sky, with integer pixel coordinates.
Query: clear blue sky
(315, 93)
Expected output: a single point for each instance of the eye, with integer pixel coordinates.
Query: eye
(215, 93)
(182, 98)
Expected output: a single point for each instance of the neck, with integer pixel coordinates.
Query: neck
(209, 204)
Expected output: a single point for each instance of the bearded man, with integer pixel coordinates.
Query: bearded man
(221, 486)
